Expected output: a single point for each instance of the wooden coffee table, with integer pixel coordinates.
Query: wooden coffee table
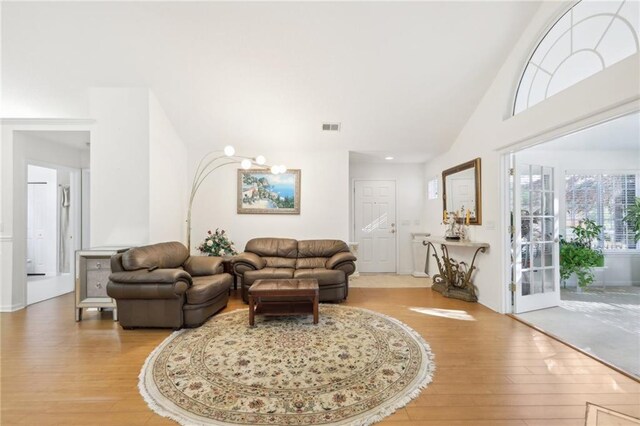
(284, 297)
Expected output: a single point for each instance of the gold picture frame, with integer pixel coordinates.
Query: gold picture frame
(471, 172)
(261, 192)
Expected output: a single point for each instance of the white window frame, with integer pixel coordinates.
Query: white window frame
(541, 40)
(568, 173)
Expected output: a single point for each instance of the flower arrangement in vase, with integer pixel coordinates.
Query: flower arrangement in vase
(217, 244)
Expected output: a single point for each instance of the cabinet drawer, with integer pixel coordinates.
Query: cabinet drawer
(99, 264)
(97, 282)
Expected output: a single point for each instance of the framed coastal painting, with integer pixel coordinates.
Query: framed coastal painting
(261, 192)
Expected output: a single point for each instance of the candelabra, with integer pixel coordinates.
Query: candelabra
(456, 228)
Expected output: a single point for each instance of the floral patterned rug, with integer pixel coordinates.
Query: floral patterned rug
(353, 368)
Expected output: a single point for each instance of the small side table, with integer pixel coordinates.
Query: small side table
(284, 297)
(93, 268)
(227, 264)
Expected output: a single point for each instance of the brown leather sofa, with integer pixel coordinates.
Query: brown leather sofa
(160, 285)
(329, 261)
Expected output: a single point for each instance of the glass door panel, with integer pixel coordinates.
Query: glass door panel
(536, 269)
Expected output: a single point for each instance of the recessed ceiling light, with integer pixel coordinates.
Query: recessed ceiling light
(388, 158)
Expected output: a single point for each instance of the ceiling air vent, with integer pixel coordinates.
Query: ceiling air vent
(330, 127)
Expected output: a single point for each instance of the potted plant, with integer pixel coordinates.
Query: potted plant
(580, 256)
(217, 244)
(633, 218)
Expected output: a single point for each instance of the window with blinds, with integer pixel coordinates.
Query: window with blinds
(603, 198)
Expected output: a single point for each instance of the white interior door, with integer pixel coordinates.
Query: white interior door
(33, 243)
(41, 220)
(536, 249)
(375, 225)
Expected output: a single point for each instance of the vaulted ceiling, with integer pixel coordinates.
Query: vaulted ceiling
(402, 78)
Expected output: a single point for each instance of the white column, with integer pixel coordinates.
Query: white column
(419, 254)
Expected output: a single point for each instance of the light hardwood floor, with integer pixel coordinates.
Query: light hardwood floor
(490, 369)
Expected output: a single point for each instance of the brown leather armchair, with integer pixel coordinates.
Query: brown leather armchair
(160, 285)
(328, 261)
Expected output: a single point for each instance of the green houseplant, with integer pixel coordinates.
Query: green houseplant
(633, 218)
(579, 256)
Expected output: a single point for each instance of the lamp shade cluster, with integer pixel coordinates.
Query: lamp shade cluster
(260, 160)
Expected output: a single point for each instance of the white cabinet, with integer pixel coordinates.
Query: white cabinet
(93, 268)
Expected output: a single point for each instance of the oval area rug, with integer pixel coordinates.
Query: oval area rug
(353, 368)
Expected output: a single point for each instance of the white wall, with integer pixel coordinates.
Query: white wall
(491, 128)
(19, 148)
(324, 203)
(119, 167)
(410, 196)
(622, 268)
(138, 170)
(123, 205)
(167, 177)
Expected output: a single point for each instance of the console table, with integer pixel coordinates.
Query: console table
(454, 278)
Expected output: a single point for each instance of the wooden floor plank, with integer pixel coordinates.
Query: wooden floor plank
(490, 371)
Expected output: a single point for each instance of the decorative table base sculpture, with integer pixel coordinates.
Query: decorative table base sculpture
(454, 278)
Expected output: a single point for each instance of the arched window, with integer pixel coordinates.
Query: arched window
(588, 38)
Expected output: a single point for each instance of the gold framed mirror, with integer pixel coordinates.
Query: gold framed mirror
(462, 191)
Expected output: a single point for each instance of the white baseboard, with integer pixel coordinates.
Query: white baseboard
(11, 308)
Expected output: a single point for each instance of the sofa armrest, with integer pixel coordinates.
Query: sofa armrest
(199, 266)
(116, 263)
(142, 284)
(247, 261)
(338, 258)
(157, 276)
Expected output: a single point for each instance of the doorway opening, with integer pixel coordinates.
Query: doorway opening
(57, 217)
(556, 189)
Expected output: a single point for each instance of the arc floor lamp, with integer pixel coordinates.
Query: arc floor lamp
(213, 161)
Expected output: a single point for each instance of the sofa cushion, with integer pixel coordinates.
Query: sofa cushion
(273, 247)
(320, 248)
(161, 255)
(272, 273)
(280, 262)
(324, 276)
(207, 288)
(311, 262)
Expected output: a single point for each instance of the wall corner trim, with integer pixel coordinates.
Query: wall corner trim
(16, 121)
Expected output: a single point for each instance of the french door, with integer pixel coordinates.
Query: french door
(535, 240)
(375, 225)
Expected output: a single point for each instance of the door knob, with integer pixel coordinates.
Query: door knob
(393, 231)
